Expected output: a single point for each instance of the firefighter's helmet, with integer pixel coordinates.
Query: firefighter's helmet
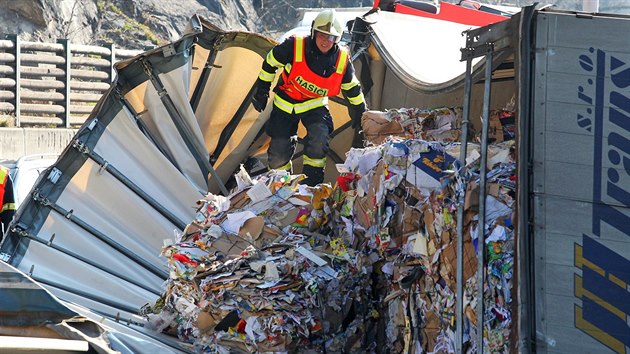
(328, 23)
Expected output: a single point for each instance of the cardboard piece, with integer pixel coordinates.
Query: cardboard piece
(229, 244)
(239, 199)
(408, 219)
(377, 127)
(363, 212)
(252, 227)
(428, 219)
(364, 206)
(448, 259)
(268, 235)
(493, 189)
(206, 321)
(430, 331)
(495, 130)
(502, 126)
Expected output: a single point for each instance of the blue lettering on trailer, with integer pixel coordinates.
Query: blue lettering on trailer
(603, 284)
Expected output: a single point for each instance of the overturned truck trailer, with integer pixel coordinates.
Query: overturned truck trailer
(177, 123)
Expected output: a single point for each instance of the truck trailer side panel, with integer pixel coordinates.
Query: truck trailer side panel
(580, 158)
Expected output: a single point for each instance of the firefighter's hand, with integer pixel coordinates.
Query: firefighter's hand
(259, 100)
(356, 115)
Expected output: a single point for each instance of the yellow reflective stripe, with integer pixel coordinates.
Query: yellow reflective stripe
(3, 173)
(299, 107)
(287, 68)
(282, 104)
(348, 85)
(310, 104)
(299, 43)
(271, 60)
(342, 61)
(8, 206)
(314, 162)
(265, 76)
(357, 100)
(286, 167)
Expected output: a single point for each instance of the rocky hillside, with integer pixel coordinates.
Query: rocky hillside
(141, 24)
(131, 24)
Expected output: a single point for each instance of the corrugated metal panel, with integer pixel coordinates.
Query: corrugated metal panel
(581, 169)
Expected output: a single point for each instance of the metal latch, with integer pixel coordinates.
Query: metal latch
(168, 50)
(92, 124)
(54, 175)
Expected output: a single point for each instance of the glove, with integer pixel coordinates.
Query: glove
(259, 100)
(356, 115)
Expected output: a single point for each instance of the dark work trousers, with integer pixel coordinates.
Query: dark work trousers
(282, 128)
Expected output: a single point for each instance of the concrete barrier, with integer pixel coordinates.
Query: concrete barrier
(17, 142)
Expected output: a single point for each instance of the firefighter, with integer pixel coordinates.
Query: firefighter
(7, 199)
(315, 67)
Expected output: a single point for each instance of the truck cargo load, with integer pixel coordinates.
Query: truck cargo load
(177, 125)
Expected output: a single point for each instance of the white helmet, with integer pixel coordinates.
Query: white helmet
(328, 23)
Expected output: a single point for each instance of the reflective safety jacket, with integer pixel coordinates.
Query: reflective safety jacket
(309, 76)
(7, 199)
(302, 84)
(4, 177)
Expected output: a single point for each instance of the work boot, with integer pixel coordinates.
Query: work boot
(314, 175)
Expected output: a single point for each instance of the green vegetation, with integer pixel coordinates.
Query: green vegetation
(130, 24)
(7, 120)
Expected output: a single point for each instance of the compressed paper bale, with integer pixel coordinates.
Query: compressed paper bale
(377, 127)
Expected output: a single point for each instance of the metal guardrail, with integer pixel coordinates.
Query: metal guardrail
(53, 84)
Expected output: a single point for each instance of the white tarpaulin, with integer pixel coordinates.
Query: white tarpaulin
(429, 50)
